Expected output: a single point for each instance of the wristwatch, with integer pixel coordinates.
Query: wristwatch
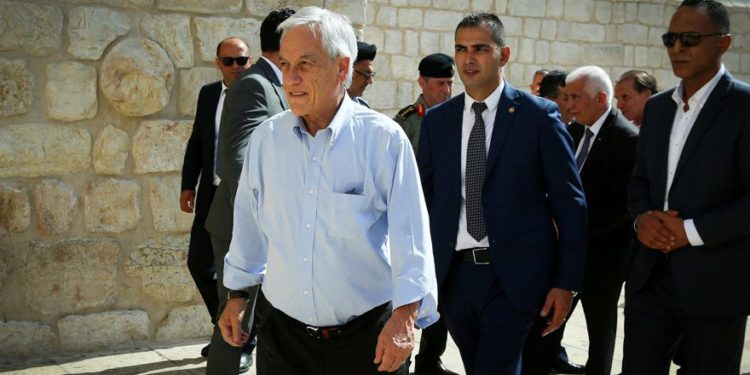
(241, 293)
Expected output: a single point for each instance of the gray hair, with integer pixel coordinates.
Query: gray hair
(597, 80)
(334, 30)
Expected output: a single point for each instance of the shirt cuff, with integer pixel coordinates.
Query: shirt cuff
(692, 234)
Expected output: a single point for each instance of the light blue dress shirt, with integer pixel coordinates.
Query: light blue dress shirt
(332, 225)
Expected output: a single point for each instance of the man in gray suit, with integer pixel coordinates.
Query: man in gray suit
(255, 96)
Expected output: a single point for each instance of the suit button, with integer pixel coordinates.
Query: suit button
(451, 243)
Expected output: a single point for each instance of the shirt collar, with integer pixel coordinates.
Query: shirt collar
(275, 68)
(492, 101)
(600, 121)
(701, 96)
(340, 119)
(224, 88)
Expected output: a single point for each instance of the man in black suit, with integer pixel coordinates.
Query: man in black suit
(690, 196)
(231, 60)
(255, 96)
(605, 143)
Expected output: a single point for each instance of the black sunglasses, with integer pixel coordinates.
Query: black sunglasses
(688, 39)
(366, 75)
(228, 61)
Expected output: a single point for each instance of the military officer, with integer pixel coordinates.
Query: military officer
(436, 81)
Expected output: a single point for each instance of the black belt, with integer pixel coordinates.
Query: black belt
(361, 322)
(476, 255)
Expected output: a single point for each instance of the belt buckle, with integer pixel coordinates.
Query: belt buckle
(474, 254)
(312, 331)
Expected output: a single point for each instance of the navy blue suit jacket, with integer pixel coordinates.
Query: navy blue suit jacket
(531, 181)
(711, 186)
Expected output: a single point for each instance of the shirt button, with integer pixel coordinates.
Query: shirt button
(308, 226)
(304, 259)
(304, 292)
(315, 158)
(311, 191)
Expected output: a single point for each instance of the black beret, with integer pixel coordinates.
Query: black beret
(366, 51)
(437, 65)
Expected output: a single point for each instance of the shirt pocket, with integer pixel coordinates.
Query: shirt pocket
(347, 215)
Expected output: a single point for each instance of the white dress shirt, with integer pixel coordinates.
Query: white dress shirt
(463, 239)
(217, 123)
(683, 123)
(595, 130)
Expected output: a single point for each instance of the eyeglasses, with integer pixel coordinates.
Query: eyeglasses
(366, 75)
(229, 61)
(688, 39)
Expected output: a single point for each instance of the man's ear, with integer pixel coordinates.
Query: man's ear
(343, 66)
(504, 55)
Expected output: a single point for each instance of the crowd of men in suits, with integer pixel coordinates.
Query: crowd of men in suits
(345, 225)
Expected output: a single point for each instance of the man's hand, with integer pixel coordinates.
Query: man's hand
(675, 224)
(187, 201)
(396, 340)
(559, 302)
(653, 232)
(230, 322)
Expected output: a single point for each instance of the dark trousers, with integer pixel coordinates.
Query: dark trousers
(541, 352)
(222, 357)
(285, 347)
(488, 330)
(200, 260)
(655, 321)
(431, 345)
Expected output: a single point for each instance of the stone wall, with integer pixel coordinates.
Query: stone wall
(96, 104)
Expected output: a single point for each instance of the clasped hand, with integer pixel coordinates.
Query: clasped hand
(661, 230)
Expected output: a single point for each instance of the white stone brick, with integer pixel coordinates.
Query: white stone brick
(563, 31)
(400, 3)
(381, 94)
(651, 14)
(405, 68)
(555, 9)
(201, 6)
(483, 5)
(159, 145)
(449, 4)
(745, 63)
(111, 205)
(448, 43)
(405, 94)
(579, 10)
(541, 52)
(163, 193)
(376, 36)
(92, 29)
(587, 32)
(525, 52)
(603, 12)
(33, 29)
(501, 6)
(532, 27)
(190, 83)
(549, 29)
(604, 55)
(641, 57)
(159, 267)
(631, 12)
(442, 20)
(409, 18)
(526, 8)
(656, 57)
(172, 32)
(16, 86)
(209, 31)
(31, 150)
(15, 210)
(610, 33)
(632, 34)
(665, 78)
(411, 43)
(25, 338)
(387, 16)
(731, 60)
(618, 13)
(629, 56)
(54, 202)
(185, 323)
(516, 75)
(103, 330)
(429, 42)
(71, 91)
(394, 40)
(565, 53)
(420, 3)
(110, 150)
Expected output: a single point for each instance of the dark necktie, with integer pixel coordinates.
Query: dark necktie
(476, 160)
(584, 148)
(218, 166)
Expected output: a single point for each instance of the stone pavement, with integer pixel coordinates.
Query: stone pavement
(184, 357)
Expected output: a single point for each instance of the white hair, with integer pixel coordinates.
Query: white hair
(335, 32)
(597, 80)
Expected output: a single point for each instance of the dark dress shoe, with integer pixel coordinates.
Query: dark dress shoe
(204, 351)
(435, 369)
(567, 367)
(246, 360)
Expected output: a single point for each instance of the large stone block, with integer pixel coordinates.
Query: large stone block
(191, 81)
(71, 275)
(587, 32)
(172, 32)
(92, 29)
(405, 68)
(566, 53)
(353, 9)
(394, 41)
(185, 323)
(261, 8)
(103, 330)
(30, 150)
(160, 265)
(428, 42)
(409, 18)
(71, 91)
(201, 6)
(526, 8)
(651, 14)
(381, 94)
(442, 20)
(111, 205)
(210, 31)
(579, 10)
(632, 34)
(606, 54)
(55, 203)
(30, 28)
(159, 146)
(111, 150)
(118, 3)
(387, 16)
(136, 77)
(15, 210)
(16, 87)
(22, 338)
(164, 196)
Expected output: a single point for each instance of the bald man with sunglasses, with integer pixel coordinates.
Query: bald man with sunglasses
(690, 196)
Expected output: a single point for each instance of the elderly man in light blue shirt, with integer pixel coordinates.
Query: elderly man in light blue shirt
(330, 218)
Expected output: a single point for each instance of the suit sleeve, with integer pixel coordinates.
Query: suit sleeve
(424, 159)
(638, 188)
(566, 199)
(245, 107)
(191, 164)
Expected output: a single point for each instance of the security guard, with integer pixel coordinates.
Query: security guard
(436, 81)
(364, 72)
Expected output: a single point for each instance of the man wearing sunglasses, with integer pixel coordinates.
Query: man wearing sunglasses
(200, 160)
(690, 195)
(256, 95)
(364, 72)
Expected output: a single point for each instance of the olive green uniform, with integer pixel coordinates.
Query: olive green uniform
(410, 119)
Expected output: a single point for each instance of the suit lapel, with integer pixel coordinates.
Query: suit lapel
(504, 119)
(704, 121)
(210, 121)
(596, 148)
(270, 74)
(661, 127)
(452, 145)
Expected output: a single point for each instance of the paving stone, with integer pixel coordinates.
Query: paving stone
(92, 29)
(30, 28)
(22, 338)
(71, 275)
(111, 205)
(16, 87)
(55, 205)
(103, 330)
(71, 91)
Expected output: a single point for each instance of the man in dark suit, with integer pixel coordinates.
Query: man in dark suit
(605, 144)
(255, 96)
(231, 60)
(497, 168)
(690, 195)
